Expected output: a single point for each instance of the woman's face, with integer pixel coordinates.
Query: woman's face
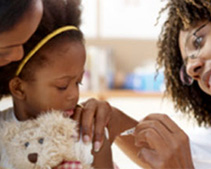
(195, 47)
(11, 41)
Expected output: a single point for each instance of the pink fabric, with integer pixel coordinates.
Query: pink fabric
(74, 165)
(116, 167)
(70, 165)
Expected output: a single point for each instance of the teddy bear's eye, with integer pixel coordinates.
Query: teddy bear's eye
(41, 140)
(26, 144)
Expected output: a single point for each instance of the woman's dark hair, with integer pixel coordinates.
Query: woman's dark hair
(12, 11)
(57, 13)
(181, 15)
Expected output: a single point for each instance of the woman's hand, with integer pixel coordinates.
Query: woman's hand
(93, 116)
(162, 143)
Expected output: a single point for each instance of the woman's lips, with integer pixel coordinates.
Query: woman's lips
(68, 113)
(207, 79)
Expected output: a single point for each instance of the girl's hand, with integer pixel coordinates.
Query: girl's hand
(162, 143)
(93, 116)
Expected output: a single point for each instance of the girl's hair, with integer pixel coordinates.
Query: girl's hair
(181, 15)
(57, 13)
(12, 11)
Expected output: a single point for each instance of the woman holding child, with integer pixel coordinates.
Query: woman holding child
(49, 75)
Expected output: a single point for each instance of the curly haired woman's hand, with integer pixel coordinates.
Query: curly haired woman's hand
(162, 143)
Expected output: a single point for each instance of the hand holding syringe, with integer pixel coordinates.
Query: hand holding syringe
(128, 132)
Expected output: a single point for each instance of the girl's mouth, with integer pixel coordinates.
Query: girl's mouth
(68, 113)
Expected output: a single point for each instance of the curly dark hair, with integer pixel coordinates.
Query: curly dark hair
(57, 13)
(181, 15)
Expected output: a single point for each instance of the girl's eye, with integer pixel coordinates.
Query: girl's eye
(41, 140)
(62, 88)
(79, 83)
(26, 144)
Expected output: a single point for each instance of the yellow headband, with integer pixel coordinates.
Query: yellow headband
(41, 43)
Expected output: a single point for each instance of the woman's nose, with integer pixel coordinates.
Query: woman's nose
(16, 54)
(195, 67)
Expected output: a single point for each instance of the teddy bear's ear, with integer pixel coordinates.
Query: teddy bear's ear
(9, 130)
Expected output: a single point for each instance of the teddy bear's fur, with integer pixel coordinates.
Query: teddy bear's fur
(42, 143)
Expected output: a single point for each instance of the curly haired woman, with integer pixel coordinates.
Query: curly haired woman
(185, 53)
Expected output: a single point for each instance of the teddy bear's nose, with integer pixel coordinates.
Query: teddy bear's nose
(33, 157)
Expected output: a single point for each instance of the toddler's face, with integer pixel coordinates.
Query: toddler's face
(56, 85)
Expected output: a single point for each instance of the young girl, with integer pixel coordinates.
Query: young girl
(50, 74)
(18, 21)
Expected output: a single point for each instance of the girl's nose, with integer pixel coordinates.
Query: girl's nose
(73, 94)
(194, 68)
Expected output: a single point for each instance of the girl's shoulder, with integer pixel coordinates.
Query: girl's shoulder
(7, 114)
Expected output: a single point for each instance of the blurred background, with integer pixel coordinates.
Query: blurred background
(121, 48)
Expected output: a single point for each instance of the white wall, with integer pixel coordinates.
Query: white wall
(121, 18)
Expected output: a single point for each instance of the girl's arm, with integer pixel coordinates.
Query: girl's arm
(119, 123)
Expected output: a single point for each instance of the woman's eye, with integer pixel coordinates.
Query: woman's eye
(197, 42)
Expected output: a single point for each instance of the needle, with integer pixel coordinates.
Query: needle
(128, 132)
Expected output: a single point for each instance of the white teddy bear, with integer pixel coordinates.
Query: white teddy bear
(42, 143)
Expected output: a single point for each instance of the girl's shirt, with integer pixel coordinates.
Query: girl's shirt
(6, 115)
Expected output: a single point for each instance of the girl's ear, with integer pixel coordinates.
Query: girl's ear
(17, 88)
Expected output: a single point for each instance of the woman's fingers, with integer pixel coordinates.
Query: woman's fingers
(156, 125)
(153, 139)
(94, 118)
(77, 117)
(165, 144)
(87, 119)
(101, 120)
(165, 120)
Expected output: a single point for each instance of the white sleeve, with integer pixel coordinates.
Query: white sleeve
(201, 147)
